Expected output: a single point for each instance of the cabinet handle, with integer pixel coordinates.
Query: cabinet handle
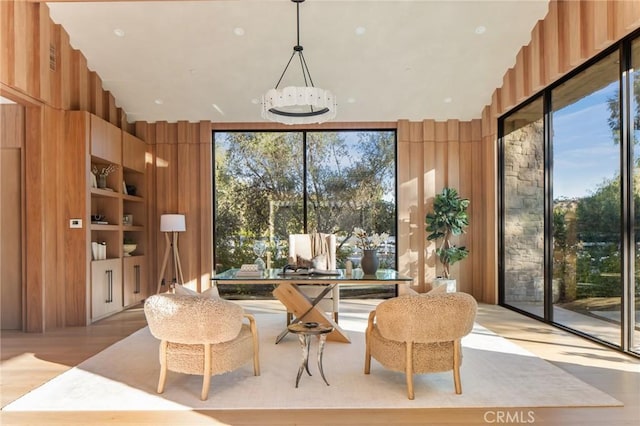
(109, 273)
(136, 269)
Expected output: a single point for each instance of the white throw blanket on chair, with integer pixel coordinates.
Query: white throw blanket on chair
(319, 247)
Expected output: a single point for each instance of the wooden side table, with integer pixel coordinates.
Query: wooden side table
(305, 330)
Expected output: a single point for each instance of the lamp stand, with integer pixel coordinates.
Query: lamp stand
(172, 246)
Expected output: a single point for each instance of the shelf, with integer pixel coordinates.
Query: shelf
(104, 260)
(133, 198)
(96, 227)
(104, 193)
(133, 228)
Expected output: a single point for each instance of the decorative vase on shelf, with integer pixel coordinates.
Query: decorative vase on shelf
(369, 262)
(102, 181)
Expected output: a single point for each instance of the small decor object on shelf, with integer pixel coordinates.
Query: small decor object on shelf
(102, 172)
(127, 220)
(128, 249)
(102, 251)
(128, 246)
(369, 246)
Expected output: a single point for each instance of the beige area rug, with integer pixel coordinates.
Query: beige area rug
(495, 373)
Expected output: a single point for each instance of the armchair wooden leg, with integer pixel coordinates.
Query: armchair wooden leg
(335, 317)
(254, 333)
(409, 369)
(367, 358)
(367, 340)
(163, 366)
(456, 366)
(206, 374)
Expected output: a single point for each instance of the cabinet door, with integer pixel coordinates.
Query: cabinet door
(106, 287)
(133, 279)
(106, 140)
(134, 152)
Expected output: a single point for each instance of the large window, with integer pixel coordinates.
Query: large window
(570, 201)
(272, 184)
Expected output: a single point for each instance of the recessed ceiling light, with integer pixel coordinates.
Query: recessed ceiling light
(351, 100)
(360, 30)
(447, 100)
(480, 29)
(238, 31)
(158, 101)
(119, 32)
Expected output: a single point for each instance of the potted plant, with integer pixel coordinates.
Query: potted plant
(448, 218)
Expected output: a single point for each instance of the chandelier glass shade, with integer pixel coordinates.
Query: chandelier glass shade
(298, 104)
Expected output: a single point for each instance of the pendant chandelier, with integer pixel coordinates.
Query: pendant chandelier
(298, 104)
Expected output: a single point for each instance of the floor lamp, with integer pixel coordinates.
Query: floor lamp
(171, 224)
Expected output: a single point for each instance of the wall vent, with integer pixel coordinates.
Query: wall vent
(52, 57)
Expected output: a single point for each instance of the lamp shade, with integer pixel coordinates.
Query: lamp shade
(172, 223)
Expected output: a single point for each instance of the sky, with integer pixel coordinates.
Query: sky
(584, 153)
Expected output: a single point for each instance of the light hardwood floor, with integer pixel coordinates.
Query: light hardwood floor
(29, 360)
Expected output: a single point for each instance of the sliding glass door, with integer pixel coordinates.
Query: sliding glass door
(633, 303)
(523, 208)
(587, 209)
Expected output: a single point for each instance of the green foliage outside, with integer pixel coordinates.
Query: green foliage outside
(595, 250)
(259, 190)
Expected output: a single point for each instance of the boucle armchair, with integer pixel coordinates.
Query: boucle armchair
(199, 335)
(420, 334)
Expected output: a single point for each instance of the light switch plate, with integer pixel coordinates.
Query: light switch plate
(75, 223)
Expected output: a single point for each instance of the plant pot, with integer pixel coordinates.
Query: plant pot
(369, 262)
(451, 285)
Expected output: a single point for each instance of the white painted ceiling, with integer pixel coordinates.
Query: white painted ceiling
(182, 60)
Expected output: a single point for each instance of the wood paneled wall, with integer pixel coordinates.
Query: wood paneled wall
(181, 181)
(46, 89)
(433, 155)
(12, 141)
(572, 32)
(29, 37)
